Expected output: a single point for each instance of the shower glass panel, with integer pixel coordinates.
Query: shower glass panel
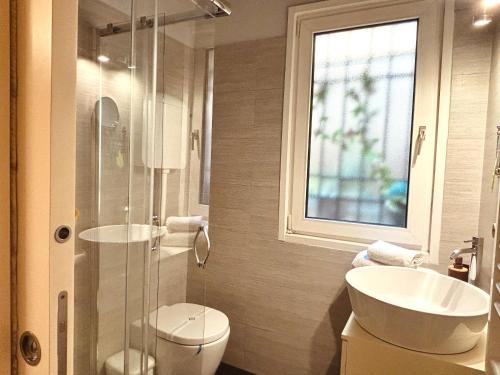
(115, 186)
(180, 287)
(146, 55)
(138, 285)
(102, 178)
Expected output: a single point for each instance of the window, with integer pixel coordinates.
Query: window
(201, 132)
(360, 123)
(207, 131)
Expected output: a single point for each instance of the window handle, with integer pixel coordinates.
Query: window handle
(420, 140)
(195, 140)
(496, 170)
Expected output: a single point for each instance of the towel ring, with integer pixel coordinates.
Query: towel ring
(201, 262)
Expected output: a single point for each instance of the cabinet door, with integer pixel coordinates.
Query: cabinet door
(343, 358)
(375, 357)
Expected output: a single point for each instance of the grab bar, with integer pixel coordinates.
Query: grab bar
(201, 262)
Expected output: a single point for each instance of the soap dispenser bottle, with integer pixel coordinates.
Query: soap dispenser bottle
(458, 270)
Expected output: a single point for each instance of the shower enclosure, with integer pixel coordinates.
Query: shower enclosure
(137, 88)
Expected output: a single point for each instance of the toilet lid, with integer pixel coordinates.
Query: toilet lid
(190, 324)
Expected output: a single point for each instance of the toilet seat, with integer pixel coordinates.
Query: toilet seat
(189, 324)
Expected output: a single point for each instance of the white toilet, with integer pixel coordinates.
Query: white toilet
(191, 339)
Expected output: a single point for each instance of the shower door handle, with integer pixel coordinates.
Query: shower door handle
(201, 262)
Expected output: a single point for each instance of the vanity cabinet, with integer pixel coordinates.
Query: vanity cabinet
(364, 354)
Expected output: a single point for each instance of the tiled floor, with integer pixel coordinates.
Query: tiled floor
(230, 370)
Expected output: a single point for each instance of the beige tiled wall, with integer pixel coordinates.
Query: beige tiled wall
(287, 303)
(489, 195)
(466, 135)
(488, 205)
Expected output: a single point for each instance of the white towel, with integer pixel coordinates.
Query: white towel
(473, 269)
(393, 255)
(184, 223)
(178, 239)
(362, 260)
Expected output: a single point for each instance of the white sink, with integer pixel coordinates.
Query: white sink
(124, 233)
(418, 310)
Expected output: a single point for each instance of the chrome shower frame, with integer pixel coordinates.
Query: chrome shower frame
(221, 9)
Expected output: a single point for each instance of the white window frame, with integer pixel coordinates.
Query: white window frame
(197, 127)
(433, 71)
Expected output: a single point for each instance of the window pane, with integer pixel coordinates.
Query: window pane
(207, 132)
(361, 122)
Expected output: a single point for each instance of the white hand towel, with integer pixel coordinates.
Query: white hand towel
(393, 255)
(178, 239)
(362, 260)
(184, 223)
(473, 269)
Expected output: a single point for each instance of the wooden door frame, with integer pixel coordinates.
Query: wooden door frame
(5, 321)
(46, 122)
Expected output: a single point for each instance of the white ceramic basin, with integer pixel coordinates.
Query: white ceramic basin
(418, 310)
(122, 233)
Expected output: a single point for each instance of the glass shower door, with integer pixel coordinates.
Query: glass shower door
(181, 315)
(146, 55)
(102, 173)
(139, 291)
(115, 184)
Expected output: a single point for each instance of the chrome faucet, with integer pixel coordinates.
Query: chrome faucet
(476, 247)
(476, 251)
